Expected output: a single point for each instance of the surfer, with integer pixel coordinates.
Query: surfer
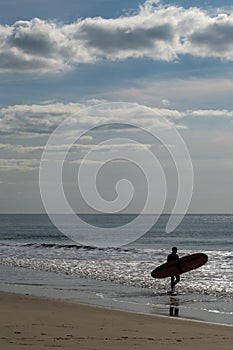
(171, 257)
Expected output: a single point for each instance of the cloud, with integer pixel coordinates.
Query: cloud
(19, 164)
(213, 38)
(34, 120)
(24, 122)
(166, 102)
(156, 32)
(42, 120)
(28, 121)
(8, 149)
(36, 151)
(126, 37)
(123, 146)
(224, 113)
(86, 138)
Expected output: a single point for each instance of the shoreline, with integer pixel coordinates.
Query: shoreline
(112, 308)
(42, 322)
(24, 281)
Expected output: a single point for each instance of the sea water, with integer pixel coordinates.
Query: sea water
(36, 258)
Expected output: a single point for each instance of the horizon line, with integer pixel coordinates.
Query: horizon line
(194, 213)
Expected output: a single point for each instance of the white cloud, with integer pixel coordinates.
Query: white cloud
(35, 119)
(38, 120)
(157, 32)
(36, 151)
(19, 164)
(41, 120)
(224, 113)
(86, 138)
(123, 145)
(166, 102)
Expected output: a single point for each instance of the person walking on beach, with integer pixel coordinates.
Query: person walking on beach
(174, 257)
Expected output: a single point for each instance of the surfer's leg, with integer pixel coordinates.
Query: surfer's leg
(172, 282)
(177, 280)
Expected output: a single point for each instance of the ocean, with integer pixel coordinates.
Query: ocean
(35, 258)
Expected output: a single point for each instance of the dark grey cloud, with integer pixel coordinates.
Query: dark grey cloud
(32, 43)
(31, 46)
(217, 36)
(116, 39)
(11, 60)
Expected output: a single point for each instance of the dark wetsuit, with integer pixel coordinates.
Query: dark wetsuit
(174, 257)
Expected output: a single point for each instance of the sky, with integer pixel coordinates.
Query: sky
(59, 57)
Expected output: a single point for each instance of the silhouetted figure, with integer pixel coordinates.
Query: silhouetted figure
(174, 257)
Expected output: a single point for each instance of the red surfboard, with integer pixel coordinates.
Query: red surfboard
(188, 263)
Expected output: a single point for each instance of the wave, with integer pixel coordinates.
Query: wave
(37, 245)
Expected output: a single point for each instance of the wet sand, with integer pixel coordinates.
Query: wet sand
(28, 322)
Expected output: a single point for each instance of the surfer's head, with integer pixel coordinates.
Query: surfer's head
(174, 250)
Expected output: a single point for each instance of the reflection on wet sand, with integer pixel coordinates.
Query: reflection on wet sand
(174, 306)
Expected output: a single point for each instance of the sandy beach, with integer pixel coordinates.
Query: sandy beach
(39, 323)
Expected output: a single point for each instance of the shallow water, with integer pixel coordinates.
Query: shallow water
(109, 294)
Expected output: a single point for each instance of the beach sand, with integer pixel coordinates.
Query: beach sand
(28, 322)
